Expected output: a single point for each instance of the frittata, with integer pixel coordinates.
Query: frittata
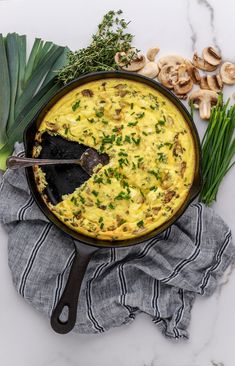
(151, 158)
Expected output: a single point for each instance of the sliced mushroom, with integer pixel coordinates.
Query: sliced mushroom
(227, 73)
(167, 76)
(212, 56)
(203, 83)
(215, 82)
(203, 100)
(171, 60)
(152, 53)
(183, 87)
(182, 96)
(150, 70)
(136, 62)
(193, 72)
(201, 64)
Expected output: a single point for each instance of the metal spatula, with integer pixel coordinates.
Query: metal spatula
(88, 161)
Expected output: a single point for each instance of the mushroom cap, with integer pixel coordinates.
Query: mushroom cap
(212, 56)
(167, 76)
(135, 64)
(201, 64)
(183, 87)
(150, 70)
(152, 53)
(171, 60)
(227, 73)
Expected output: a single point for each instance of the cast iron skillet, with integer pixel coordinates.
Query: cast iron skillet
(85, 246)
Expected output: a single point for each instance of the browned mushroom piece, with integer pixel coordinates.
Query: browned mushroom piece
(203, 100)
(203, 83)
(212, 56)
(167, 76)
(183, 86)
(193, 72)
(202, 64)
(215, 82)
(227, 73)
(150, 70)
(170, 60)
(136, 61)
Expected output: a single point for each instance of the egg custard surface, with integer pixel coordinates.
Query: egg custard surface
(151, 158)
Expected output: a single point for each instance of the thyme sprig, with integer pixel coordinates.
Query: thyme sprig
(110, 38)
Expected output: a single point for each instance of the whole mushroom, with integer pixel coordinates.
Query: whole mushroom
(152, 53)
(204, 100)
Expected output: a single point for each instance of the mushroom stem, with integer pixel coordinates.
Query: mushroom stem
(205, 109)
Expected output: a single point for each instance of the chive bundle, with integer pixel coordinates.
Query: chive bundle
(25, 85)
(218, 149)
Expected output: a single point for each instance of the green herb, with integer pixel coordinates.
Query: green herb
(98, 179)
(123, 161)
(144, 133)
(76, 105)
(132, 105)
(95, 193)
(127, 139)
(75, 201)
(153, 188)
(66, 130)
(162, 157)
(122, 153)
(136, 141)
(119, 141)
(218, 149)
(140, 115)
(140, 223)
(82, 199)
(110, 38)
(26, 84)
(156, 174)
(123, 196)
(99, 114)
(130, 124)
(111, 206)
(78, 118)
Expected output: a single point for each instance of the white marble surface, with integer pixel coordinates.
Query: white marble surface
(25, 336)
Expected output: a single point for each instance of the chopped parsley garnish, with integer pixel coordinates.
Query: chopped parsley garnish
(132, 105)
(95, 193)
(98, 179)
(153, 188)
(76, 105)
(91, 120)
(123, 161)
(155, 173)
(111, 206)
(99, 114)
(161, 122)
(130, 124)
(75, 201)
(78, 118)
(144, 133)
(140, 223)
(104, 121)
(123, 196)
(119, 140)
(127, 139)
(136, 141)
(121, 153)
(140, 115)
(66, 130)
(82, 199)
(162, 157)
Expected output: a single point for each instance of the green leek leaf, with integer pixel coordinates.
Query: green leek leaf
(4, 91)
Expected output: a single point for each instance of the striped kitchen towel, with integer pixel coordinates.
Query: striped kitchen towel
(160, 277)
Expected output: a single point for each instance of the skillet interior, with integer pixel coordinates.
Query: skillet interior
(61, 175)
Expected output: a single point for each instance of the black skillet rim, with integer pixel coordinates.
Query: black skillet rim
(28, 144)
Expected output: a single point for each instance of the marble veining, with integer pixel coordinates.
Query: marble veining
(25, 337)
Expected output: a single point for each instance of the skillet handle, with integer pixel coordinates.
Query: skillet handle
(69, 298)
